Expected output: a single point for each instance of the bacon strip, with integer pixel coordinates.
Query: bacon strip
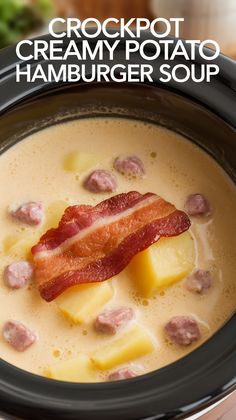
(93, 244)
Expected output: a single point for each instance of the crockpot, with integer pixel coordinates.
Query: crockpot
(206, 114)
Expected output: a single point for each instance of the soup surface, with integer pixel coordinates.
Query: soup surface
(34, 170)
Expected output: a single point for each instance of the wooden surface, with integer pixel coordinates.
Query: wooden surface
(103, 9)
(224, 411)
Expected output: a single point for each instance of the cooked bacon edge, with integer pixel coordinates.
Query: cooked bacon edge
(93, 244)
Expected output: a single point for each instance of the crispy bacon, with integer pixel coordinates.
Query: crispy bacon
(93, 244)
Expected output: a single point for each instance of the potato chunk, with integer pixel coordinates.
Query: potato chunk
(54, 214)
(133, 344)
(163, 263)
(79, 369)
(19, 245)
(83, 302)
(79, 161)
(9, 242)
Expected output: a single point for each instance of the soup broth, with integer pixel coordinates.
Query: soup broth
(35, 170)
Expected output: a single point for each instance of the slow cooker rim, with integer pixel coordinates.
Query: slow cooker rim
(224, 82)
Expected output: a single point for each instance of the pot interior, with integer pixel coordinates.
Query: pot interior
(152, 104)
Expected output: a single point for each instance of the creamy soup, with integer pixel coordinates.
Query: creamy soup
(36, 169)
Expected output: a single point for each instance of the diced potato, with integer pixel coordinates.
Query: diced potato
(79, 161)
(54, 214)
(164, 263)
(79, 369)
(133, 344)
(10, 241)
(83, 302)
(19, 246)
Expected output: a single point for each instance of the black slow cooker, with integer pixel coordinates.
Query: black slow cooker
(206, 114)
